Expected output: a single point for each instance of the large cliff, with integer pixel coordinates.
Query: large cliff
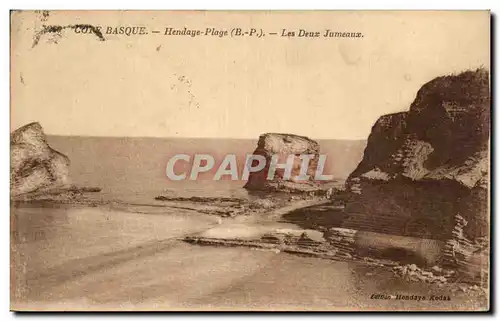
(34, 165)
(423, 167)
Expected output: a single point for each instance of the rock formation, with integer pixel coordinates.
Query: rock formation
(34, 164)
(423, 167)
(284, 145)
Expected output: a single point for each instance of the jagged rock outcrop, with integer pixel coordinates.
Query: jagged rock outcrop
(471, 257)
(423, 167)
(34, 164)
(284, 145)
(343, 240)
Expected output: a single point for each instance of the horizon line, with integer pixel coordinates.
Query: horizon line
(196, 137)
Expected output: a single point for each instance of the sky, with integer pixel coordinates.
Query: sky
(173, 86)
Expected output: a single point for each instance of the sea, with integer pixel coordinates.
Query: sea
(133, 169)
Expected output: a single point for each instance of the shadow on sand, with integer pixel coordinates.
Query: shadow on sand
(316, 217)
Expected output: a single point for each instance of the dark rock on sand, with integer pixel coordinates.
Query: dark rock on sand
(423, 167)
(224, 206)
(200, 199)
(34, 164)
(65, 195)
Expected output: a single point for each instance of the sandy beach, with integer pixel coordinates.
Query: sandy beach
(101, 258)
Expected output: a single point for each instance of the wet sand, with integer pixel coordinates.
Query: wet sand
(66, 258)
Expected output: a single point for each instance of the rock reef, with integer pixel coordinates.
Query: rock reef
(34, 164)
(423, 167)
(223, 206)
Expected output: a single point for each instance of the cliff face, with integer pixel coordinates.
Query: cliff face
(34, 164)
(284, 145)
(423, 167)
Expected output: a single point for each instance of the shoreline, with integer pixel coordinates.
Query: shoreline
(173, 215)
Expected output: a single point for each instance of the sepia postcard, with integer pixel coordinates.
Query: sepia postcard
(250, 160)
